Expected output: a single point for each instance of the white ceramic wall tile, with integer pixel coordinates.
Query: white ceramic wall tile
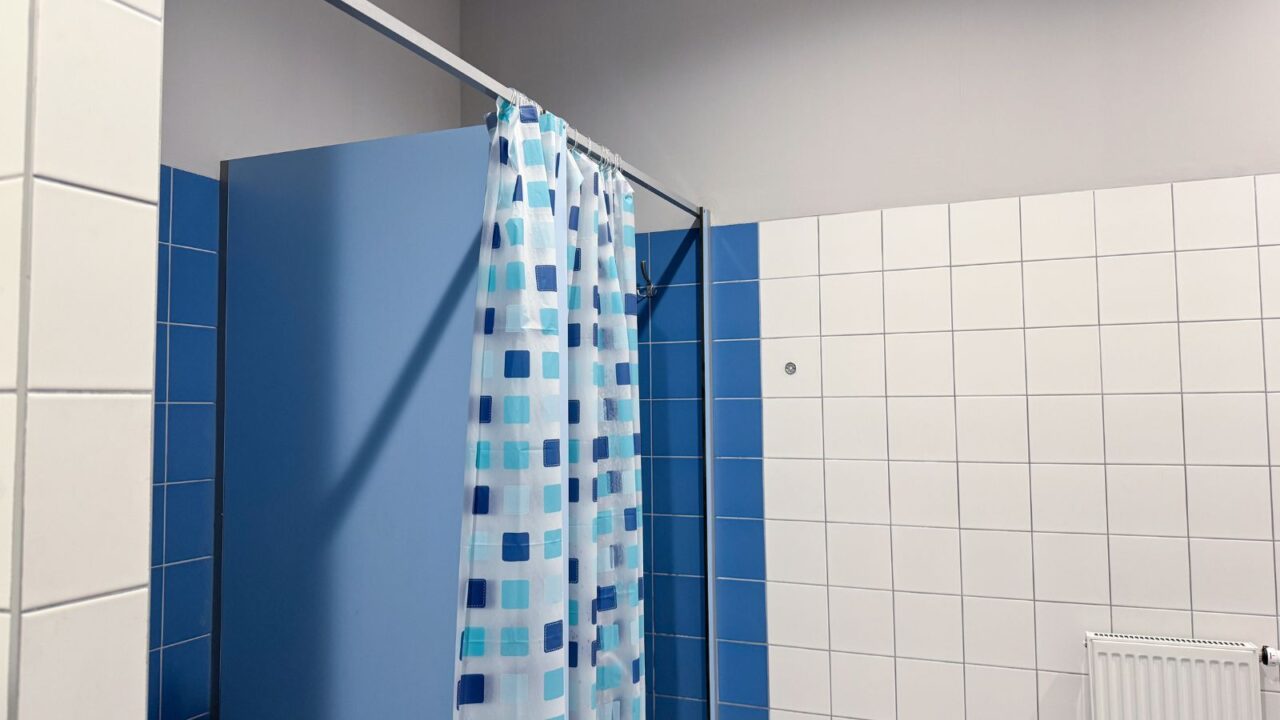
(857, 491)
(996, 563)
(929, 626)
(915, 237)
(862, 686)
(1060, 629)
(1222, 356)
(930, 690)
(991, 362)
(853, 365)
(1061, 292)
(995, 693)
(14, 29)
(793, 489)
(1226, 429)
(789, 307)
(1150, 572)
(151, 7)
(1144, 428)
(1242, 628)
(97, 103)
(1267, 188)
(919, 364)
(1000, 632)
(797, 615)
(1147, 500)
(102, 334)
(804, 353)
(1057, 226)
(8, 431)
(1135, 219)
(860, 556)
(1063, 360)
(1218, 285)
(799, 679)
(852, 304)
(1229, 502)
(854, 428)
(10, 267)
(1140, 358)
(1269, 272)
(87, 496)
(1071, 568)
(795, 551)
(926, 560)
(1271, 352)
(995, 496)
(792, 427)
(922, 428)
(849, 242)
(1233, 576)
(985, 231)
(1137, 289)
(917, 300)
(923, 493)
(991, 429)
(1063, 696)
(86, 659)
(1066, 428)
(1069, 498)
(1146, 621)
(1214, 213)
(987, 296)
(862, 621)
(789, 248)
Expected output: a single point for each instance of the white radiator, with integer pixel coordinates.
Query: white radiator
(1137, 677)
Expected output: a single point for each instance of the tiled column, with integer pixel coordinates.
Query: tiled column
(79, 123)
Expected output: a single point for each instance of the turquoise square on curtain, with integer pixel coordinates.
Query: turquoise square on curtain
(473, 642)
(539, 194)
(515, 231)
(552, 545)
(550, 321)
(515, 500)
(575, 297)
(493, 278)
(553, 684)
(551, 498)
(482, 455)
(515, 594)
(515, 455)
(551, 365)
(480, 548)
(515, 641)
(533, 151)
(515, 409)
(515, 275)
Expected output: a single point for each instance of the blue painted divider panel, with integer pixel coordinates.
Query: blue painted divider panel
(350, 299)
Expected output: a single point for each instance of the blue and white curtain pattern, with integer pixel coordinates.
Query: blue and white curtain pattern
(551, 621)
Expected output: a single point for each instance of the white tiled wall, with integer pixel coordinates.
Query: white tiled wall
(1013, 421)
(79, 152)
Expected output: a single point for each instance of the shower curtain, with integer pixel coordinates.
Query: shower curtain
(551, 616)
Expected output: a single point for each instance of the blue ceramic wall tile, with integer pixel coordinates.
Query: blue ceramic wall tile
(153, 685)
(737, 368)
(156, 598)
(674, 257)
(739, 488)
(677, 369)
(680, 667)
(669, 708)
(642, 254)
(742, 712)
(646, 427)
(645, 353)
(740, 610)
(162, 281)
(738, 428)
(736, 307)
(195, 211)
(193, 357)
(188, 521)
(676, 427)
(162, 363)
(185, 680)
(194, 297)
(675, 486)
(740, 549)
(735, 252)
(158, 444)
(679, 605)
(744, 674)
(678, 547)
(192, 442)
(157, 524)
(676, 314)
(188, 601)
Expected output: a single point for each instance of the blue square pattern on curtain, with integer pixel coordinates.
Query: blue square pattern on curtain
(185, 414)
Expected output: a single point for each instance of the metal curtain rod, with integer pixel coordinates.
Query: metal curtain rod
(392, 27)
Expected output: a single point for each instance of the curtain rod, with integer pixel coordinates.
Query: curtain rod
(375, 17)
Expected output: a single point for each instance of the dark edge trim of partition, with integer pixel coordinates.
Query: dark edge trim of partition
(220, 411)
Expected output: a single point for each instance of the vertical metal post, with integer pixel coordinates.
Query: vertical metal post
(709, 468)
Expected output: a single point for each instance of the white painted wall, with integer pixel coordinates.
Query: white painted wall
(79, 147)
(248, 77)
(781, 109)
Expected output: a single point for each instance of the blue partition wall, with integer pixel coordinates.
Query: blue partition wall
(183, 492)
(350, 281)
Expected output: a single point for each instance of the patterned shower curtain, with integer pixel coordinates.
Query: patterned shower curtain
(551, 617)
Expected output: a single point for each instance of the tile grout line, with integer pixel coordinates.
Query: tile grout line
(888, 466)
(23, 370)
(822, 439)
(1271, 488)
(1182, 411)
(955, 439)
(1026, 404)
(1102, 409)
